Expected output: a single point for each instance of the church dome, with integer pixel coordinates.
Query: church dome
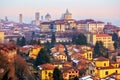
(47, 16)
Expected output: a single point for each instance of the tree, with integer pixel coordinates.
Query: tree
(100, 50)
(48, 46)
(43, 57)
(22, 70)
(32, 42)
(33, 35)
(6, 76)
(18, 42)
(53, 39)
(57, 74)
(39, 42)
(23, 41)
(74, 39)
(79, 39)
(66, 52)
(114, 37)
(116, 44)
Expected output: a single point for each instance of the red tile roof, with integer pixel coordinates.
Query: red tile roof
(101, 59)
(108, 67)
(47, 66)
(102, 35)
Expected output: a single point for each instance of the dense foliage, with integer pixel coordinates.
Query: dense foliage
(43, 57)
(57, 74)
(100, 50)
(79, 39)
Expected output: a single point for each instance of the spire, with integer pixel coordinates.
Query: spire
(67, 12)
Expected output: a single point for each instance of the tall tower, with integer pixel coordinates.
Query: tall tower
(20, 18)
(37, 16)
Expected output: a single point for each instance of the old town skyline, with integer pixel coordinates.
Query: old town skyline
(99, 10)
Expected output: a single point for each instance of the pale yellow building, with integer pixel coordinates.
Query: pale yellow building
(118, 33)
(87, 52)
(100, 26)
(91, 27)
(105, 68)
(46, 71)
(105, 38)
(81, 25)
(95, 27)
(69, 74)
(60, 57)
(60, 27)
(2, 35)
(45, 27)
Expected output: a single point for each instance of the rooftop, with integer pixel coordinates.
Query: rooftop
(47, 66)
(102, 35)
(101, 59)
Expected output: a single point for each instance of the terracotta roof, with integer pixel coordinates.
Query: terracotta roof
(66, 63)
(76, 56)
(62, 53)
(101, 59)
(64, 69)
(113, 62)
(24, 49)
(102, 35)
(109, 67)
(47, 66)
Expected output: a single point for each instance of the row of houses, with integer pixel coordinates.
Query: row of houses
(81, 59)
(71, 24)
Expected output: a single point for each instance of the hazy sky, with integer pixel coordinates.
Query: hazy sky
(106, 10)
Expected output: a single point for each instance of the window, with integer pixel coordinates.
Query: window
(87, 55)
(45, 77)
(90, 55)
(104, 64)
(91, 71)
(106, 72)
(45, 72)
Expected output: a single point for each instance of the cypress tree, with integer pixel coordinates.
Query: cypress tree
(42, 58)
(57, 74)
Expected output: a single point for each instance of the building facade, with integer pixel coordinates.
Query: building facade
(105, 38)
(2, 35)
(105, 68)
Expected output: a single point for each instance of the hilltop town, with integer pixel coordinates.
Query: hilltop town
(63, 49)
